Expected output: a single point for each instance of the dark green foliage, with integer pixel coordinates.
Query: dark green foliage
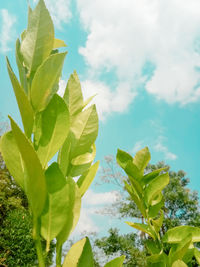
(16, 243)
(127, 245)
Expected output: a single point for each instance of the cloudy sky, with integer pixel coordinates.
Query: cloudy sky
(142, 59)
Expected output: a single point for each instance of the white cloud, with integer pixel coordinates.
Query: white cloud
(91, 203)
(106, 100)
(138, 145)
(124, 35)
(160, 147)
(59, 10)
(7, 30)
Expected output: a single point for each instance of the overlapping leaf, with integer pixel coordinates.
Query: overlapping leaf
(38, 39)
(117, 262)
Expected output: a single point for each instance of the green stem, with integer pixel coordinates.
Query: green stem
(36, 237)
(58, 254)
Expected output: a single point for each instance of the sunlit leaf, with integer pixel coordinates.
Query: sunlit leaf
(12, 157)
(34, 181)
(80, 255)
(54, 129)
(45, 81)
(142, 227)
(86, 179)
(117, 262)
(58, 43)
(38, 40)
(23, 102)
(142, 158)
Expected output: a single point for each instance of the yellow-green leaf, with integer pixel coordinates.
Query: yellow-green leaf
(23, 102)
(86, 179)
(54, 129)
(58, 207)
(85, 130)
(80, 255)
(73, 95)
(45, 81)
(177, 234)
(142, 158)
(34, 181)
(58, 43)
(12, 157)
(142, 227)
(117, 262)
(38, 40)
(179, 263)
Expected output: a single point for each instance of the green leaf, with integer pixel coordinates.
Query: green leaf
(54, 129)
(80, 255)
(158, 260)
(35, 184)
(153, 210)
(58, 206)
(12, 157)
(158, 223)
(178, 252)
(197, 255)
(64, 156)
(82, 163)
(132, 170)
(73, 95)
(138, 201)
(142, 227)
(23, 102)
(86, 179)
(142, 158)
(123, 158)
(179, 263)
(58, 43)
(155, 187)
(152, 246)
(177, 234)
(73, 217)
(21, 68)
(84, 129)
(150, 176)
(117, 262)
(38, 41)
(45, 81)
(87, 101)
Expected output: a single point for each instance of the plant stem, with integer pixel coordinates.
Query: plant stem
(58, 254)
(36, 237)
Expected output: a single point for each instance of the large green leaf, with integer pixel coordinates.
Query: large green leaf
(38, 40)
(158, 222)
(132, 170)
(142, 227)
(58, 207)
(177, 234)
(80, 255)
(74, 197)
(73, 94)
(54, 129)
(146, 179)
(142, 158)
(84, 129)
(157, 260)
(45, 81)
(34, 181)
(155, 187)
(179, 263)
(12, 157)
(117, 262)
(138, 201)
(123, 158)
(178, 251)
(153, 210)
(86, 179)
(82, 163)
(197, 255)
(23, 102)
(64, 156)
(21, 68)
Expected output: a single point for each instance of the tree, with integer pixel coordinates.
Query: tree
(181, 204)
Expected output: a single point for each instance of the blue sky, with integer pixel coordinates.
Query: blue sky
(142, 58)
